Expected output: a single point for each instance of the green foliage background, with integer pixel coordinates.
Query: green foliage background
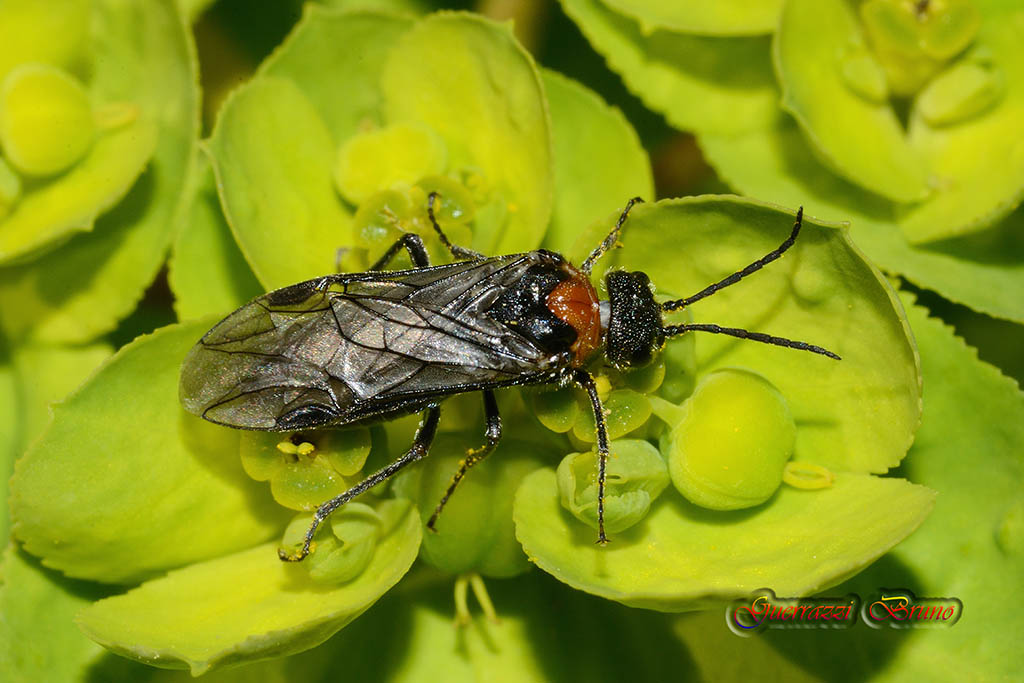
(211, 179)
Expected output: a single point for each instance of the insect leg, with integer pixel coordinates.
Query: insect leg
(583, 378)
(420, 447)
(611, 239)
(458, 253)
(412, 244)
(740, 274)
(474, 455)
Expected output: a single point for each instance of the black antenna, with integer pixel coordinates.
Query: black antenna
(739, 275)
(672, 330)
(610, 240)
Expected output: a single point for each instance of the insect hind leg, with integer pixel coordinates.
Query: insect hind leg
(419, 449)
(474, 455)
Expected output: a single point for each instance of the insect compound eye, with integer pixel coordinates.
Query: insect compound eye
(635, 330)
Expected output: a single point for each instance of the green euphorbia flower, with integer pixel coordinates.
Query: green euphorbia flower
(900, 117)
(98, 127)
(77, 149)
(312, 155)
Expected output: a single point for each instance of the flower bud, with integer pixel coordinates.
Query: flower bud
(46, 121)
(730, 446)
(635, 477)
(399, 154)
(625, 410)
(557, 409)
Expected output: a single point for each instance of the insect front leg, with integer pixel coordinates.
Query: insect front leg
(583, 378)
(412, 244)
(419, 449)
(473, 455)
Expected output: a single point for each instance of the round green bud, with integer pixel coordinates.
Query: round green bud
(399, 154)
(962, 92)
(306, 481)
(863, 75)
(644, 380)
(454, 202)
(348, 450)
(625, 410)
(263, 454)
(343, 554)
(635, 476)
(557, 409)
(381, 219)
(46, 121)
(730, 447)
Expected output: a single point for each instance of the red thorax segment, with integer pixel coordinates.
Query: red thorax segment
(575, 302)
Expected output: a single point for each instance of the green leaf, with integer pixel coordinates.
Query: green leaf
(822, 292)
(985, 273)
(207, 272)
(32, 378)
(599, 162)
(123, 483)
(682, 557)
(469, 80)
(860, 138)
(46, 374)
(275, 186)
(337, 59)
(969, 547)
(37, 639)
(719, 18)
(699, 83)
(978, 162)
(243, 607)
(82, 289)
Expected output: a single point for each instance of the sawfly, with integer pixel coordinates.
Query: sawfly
(364, 347)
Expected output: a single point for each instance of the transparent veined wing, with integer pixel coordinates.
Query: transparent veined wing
(350, 347)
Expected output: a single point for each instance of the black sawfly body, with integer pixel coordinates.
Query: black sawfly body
(363, 347)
